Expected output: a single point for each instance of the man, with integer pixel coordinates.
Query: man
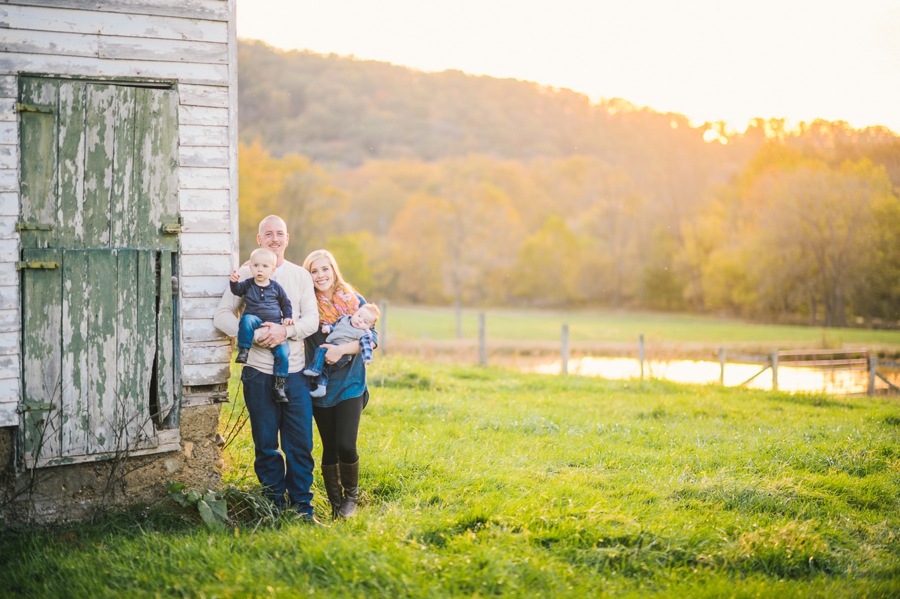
(292, 472)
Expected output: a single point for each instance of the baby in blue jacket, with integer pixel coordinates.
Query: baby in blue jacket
(264, 301)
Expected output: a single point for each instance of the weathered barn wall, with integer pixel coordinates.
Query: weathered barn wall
(190, 42)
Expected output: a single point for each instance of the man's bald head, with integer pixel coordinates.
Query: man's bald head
(273, 235)
(272, 218)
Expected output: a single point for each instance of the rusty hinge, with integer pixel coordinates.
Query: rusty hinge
(37, 265)
(171, 229)
(33, 227)
(44, 108)
(36, 406)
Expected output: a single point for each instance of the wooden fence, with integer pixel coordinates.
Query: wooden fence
(860, 359)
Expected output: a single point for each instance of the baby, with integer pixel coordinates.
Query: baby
(264, 301)
(346, 329)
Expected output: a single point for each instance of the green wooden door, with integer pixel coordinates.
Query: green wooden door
(98, 189)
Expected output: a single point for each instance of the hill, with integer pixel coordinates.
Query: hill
(439, 186)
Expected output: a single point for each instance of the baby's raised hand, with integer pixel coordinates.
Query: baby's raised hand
(235, 277)
(326, 328)
(287, 321)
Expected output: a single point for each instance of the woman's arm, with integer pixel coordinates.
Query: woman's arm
(335, 352)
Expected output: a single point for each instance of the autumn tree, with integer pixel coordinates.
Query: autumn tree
(292, 187)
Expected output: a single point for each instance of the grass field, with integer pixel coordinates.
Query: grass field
(414, 323)
(485, 482)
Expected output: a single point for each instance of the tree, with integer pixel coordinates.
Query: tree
(549, 268)
(291, 187)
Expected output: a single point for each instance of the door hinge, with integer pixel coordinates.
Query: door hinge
(171, 229)
(33, 227)
(44, 108)
(37, 265)
(36, 406)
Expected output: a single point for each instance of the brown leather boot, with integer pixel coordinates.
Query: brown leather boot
(332, 477)
(350, 482)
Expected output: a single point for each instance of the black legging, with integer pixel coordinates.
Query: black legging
(338, 427)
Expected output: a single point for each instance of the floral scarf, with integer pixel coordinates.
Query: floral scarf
(342, 303)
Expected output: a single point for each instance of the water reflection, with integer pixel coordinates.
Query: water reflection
(790, 379)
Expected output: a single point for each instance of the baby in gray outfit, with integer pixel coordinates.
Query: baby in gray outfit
(346, 329)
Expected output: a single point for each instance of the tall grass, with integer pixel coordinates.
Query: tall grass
(480, 482)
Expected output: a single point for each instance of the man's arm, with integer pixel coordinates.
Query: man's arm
(308, 323)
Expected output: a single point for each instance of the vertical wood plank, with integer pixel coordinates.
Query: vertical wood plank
(77, 291)
(100, 135)
(145, 332)
(137, 345)
(38, 144)
(129, 377)
(773, 360)
(102, 432)
(722, 366)
(123, 204)
(873, 369)
(41, 356)
(641, 353)
(156, 163)
(71, 164)
(482, 340)
(165, 325)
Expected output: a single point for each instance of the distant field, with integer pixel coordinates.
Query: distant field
(415, 323)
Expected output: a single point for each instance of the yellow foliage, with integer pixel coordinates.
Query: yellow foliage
(290, 187)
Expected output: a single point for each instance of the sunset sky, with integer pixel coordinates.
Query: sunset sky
(707, 59)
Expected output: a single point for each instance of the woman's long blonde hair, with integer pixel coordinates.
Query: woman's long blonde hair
(339, 283)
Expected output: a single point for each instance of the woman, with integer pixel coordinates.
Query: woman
(337, 414)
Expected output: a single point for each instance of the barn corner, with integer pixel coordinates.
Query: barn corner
(118, 230)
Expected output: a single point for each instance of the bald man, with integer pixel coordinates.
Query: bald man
(289, 470)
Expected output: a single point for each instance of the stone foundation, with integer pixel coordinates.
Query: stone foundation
(74, 492)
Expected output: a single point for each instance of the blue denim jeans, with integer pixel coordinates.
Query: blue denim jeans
(282, 353)
(292, 471)
(318, 365)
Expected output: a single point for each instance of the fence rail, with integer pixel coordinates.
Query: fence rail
(820, 358)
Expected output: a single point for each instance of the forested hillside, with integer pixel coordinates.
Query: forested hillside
(435, 187)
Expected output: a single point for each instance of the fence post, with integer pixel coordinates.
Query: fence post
(382, 336)
(564, 350)
(641, 353)
(457, 305)
(774, 359)
(482, 340)
(873, 365)
(722, 366)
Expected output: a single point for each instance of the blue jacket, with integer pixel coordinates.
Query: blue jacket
(345, 382)
(270, 303)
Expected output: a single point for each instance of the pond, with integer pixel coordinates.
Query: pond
(792, 379)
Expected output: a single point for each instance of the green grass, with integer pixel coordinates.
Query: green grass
(486, 482)
(408, 323)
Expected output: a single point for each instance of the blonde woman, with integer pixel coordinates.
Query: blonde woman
(338, 412)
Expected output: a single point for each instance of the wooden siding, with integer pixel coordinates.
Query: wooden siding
(189, 42)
